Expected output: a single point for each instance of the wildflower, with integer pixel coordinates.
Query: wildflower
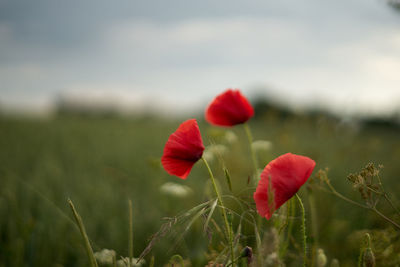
(287, 174)
(124, 262)
(229, 108)
(261, 145)
(230, 137)
(213, 151)
(105, 256)
(183, 149)
(176, 190)
(321, 258)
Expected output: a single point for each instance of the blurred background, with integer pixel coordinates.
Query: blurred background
(91, 90)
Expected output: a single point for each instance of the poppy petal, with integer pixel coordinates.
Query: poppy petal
(229, 108)
(183, 149)
(287, 174)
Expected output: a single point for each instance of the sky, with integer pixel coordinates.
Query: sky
(176, 55)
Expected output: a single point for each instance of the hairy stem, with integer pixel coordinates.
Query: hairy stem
(291, 211)
(314, 226)
(228, 228)
(303, 230)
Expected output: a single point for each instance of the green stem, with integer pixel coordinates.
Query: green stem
(386, 218)
(252, 152)
(333, 190)
(88, 247)
(387, 196)
(314, 225)
(361, 205)
(291, 211)
(130, 231)
(303, 229)
(235, 260)
(228, 229)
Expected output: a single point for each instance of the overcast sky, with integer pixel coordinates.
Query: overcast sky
(178, 54)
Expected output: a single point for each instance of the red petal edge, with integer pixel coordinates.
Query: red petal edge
(228, 109)
(287, 174)
(183, 149)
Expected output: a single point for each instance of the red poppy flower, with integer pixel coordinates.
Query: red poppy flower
(287, 174)
(229, 108)
(183, 149)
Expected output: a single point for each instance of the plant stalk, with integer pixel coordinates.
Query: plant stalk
(228, 229)
(252, 152)
(130, 232)
(303, 230)
(88, 247)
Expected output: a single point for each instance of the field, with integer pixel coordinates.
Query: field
(101, 162)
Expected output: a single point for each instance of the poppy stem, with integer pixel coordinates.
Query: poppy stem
(228, 228)
(303, 229)
(290, 213)
(252, 152)
(130, 232)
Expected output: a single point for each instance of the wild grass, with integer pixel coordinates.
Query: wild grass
(100, 163)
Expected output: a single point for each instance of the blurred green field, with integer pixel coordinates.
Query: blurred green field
(100, 163)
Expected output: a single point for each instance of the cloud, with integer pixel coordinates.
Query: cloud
(338, 52)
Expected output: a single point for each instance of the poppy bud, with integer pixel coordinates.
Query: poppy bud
(247, 252)
(369, 258)
(368, 255)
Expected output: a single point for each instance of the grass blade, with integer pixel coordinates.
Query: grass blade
(88, 247)
(214, 204)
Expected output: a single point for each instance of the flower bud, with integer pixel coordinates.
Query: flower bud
(247, 252)
(369, 258)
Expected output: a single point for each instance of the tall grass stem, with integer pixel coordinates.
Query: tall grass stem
(227, 225)
(88, 247)
(252, 152)
(130, 231)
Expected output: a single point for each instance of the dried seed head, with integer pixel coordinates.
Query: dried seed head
(322, 175)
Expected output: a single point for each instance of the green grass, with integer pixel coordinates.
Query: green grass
(100, 163)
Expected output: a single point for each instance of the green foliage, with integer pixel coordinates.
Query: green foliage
(100, 163)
